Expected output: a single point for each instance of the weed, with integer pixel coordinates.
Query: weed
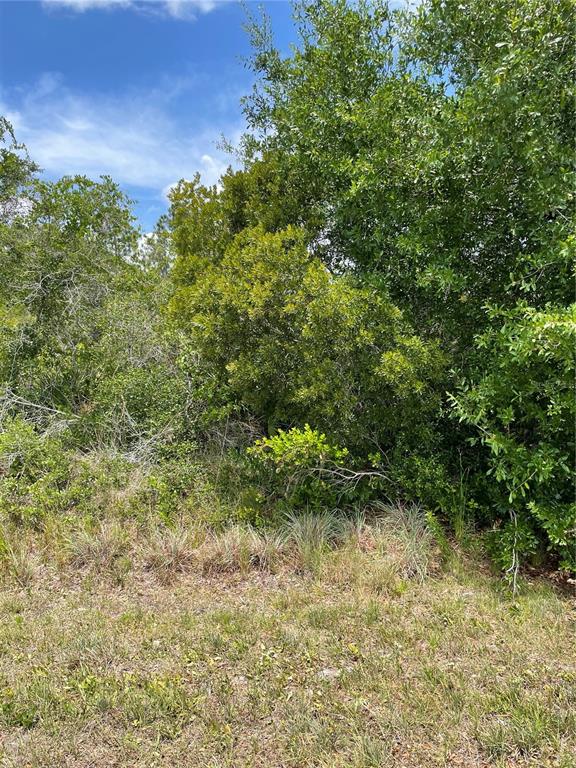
(100, 549)
(170, 551)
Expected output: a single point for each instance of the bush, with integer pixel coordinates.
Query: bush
(40, 475)
(280, 337)
(293, 467)
(35, 473)
(523, 407)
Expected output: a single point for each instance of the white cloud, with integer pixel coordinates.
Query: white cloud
(176, 9)
(210, 169)
(185, 9)
(86, 5)
(132, 137)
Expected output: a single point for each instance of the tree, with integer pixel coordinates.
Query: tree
(16, 168)
(279, 335)
(61, 261)
(524, 408)
(436, 148)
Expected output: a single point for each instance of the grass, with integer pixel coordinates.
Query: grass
(329, 644)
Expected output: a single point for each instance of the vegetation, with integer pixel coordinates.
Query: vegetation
(391, 265)
(323, 642)
(344, 370)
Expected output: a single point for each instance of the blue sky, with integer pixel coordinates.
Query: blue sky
(136, 89)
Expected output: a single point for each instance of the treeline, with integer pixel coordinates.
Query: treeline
(377, 305)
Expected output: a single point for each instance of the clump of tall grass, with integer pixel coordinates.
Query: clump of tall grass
(100, 549)
(240, 548)
(19, 563)
(309, 536)
(404, 534)
(170, 551)
(382, 548)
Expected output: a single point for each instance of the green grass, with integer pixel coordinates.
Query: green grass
(359, 658)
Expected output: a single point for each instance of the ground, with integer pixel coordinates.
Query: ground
(288, 670)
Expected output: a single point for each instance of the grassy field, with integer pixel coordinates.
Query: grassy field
(244, 650)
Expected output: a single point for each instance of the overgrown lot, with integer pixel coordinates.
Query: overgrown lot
(361, 646)
(289, 482)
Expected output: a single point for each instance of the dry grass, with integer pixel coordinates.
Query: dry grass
(170, 551)
(101, 548)
(20, 563)
(328, 644)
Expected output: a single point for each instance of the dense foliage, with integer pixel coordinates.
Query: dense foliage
(380, 296)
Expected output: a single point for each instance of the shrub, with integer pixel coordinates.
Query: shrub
(523, 408)
(40, 475)
(278, 335)
(292, 464)
(35, 471)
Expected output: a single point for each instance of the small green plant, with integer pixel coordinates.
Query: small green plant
(297, 449)
(298, 467)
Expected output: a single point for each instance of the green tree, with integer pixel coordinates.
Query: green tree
(437, 147)
(277, 333)
(81, 300)
(61, 261)
(524, 408)
(16, 168)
